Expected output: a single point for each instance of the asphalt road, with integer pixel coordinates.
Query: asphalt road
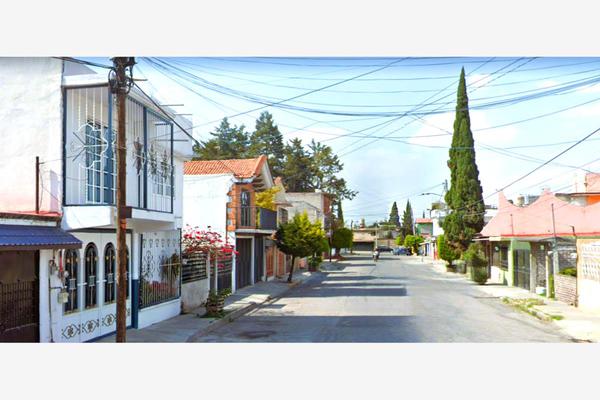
(398, 299)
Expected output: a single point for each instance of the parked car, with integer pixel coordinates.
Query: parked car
(402, 251)
(384, 249)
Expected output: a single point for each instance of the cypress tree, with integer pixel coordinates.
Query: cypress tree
(407, 220)
(394, 216)
(465, 196)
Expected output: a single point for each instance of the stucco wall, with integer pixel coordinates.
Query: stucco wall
(31, 115)
(205, 199)
(193, 294)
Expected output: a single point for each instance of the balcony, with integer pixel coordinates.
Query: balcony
(90, 156)
(256, 218)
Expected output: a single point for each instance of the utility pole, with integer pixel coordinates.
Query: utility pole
(121, 80)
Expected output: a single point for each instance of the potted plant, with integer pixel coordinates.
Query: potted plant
(214, 304)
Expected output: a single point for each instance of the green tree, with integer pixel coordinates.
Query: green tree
(400, 240)
(394, 216)
(445, 251)
(268, 140)
(266, 198)
(407, 220)
(464, 198)
(413, 242)
(341, 239)
(326, 166)
(228, 142)
(300, 238)
(297, 168)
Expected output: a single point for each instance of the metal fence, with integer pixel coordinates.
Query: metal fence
(224, 264)
(156, 291)
(194, 267)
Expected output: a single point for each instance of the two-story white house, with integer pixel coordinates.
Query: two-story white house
(65, 114)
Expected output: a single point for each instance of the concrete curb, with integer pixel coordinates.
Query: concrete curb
(235, 314)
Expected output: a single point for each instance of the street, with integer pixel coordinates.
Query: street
(397, 299)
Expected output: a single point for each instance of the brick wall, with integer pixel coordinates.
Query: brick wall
(565, 288)
(234, 205)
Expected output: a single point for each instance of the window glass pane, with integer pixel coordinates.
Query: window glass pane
(71, 267)
(109, 273)
(91, 273)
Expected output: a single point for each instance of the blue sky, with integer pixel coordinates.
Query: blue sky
(409, 154)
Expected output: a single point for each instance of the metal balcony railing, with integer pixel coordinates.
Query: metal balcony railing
(256, 218)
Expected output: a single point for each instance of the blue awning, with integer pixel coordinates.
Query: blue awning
(28, 237)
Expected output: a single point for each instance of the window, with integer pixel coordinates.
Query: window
(109, 273)
(71, 267)
(93, 163)
(100, 164)
(91, 272)
(245, 215)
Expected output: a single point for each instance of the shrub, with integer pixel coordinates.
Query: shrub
(475, 257)
(445, 252)
(571, 271)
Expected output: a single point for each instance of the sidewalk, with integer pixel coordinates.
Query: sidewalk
(574, 322)
(184, 327)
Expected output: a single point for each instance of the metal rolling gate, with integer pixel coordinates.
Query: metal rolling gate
(243, 263)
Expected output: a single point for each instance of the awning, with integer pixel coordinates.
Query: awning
(28, 237)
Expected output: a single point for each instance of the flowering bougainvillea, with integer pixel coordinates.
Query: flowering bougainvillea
(197, 240)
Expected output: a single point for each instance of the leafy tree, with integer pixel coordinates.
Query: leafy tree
(341, 239)
(407, 220)
(300, 238)
(228, 142)
(413, 242)
(268, 140)
(445, 251)
(464, 198)
(326, 167)
(266, 198)
(297, 167)
(340, 215)
(394, 216)
(399, 240)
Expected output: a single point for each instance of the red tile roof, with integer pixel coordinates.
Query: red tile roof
(242, 168)
(423, 221)
(535, 219)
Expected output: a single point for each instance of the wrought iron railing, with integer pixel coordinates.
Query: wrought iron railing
(156, 291)
(256, 218)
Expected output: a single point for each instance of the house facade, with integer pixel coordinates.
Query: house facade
(528, 245)
(65, 114)
(220, 195)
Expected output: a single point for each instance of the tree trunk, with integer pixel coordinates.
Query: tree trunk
(289, 279)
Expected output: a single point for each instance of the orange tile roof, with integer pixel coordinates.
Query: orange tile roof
(423, 221)
(241, 168)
